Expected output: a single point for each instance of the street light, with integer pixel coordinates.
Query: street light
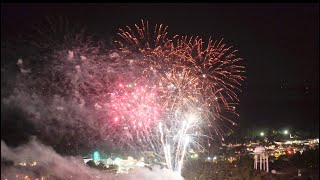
(262, 134)
(285, 131)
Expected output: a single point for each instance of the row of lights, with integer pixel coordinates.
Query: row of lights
(284, 132)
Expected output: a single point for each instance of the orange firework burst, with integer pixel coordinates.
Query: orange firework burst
(178, 87)
(215, 65)
(187, 70)
(156, 50)
(216, 68)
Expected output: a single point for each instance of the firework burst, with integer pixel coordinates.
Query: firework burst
(187, 69)
(190, 76)
(172, 93)
(152, 47)
(135, 106)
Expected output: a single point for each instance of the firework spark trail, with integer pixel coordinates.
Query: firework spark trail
(183, 154)
(179, 142)
(168, 160)
(169, 156)
(182, 135)
(176, 133)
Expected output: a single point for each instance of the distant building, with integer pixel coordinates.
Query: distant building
(261, 156)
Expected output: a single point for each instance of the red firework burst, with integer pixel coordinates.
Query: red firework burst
(135, 106)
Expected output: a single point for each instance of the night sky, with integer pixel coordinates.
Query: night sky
(280, 45)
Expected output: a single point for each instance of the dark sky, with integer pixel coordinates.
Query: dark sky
(280, 45)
